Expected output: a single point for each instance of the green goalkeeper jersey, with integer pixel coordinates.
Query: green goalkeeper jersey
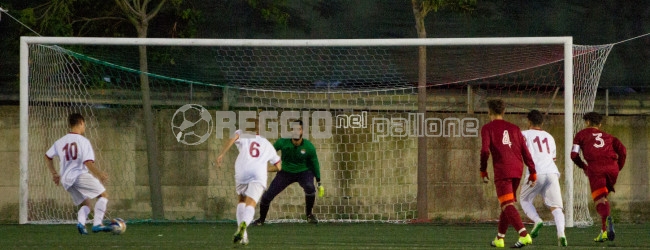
(296, 159)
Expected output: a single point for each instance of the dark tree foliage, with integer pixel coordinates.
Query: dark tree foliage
(587, 21)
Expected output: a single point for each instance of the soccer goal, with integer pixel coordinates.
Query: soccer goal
(358, 98)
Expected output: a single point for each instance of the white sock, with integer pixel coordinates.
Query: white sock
(530, 211)
(249, 214)
(240, 213)
(558, 214)
(82, 215)
(100, 209)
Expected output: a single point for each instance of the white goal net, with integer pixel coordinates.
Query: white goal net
(367, 149)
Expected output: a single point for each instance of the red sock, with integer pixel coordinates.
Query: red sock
(603, 211)
(515, 220)
(502, 227)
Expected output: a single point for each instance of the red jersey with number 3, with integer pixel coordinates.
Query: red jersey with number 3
(601, 150)
(255, 152)
(505, 142)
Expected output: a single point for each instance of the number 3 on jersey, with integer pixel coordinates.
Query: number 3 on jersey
(599, 139)
(506, 139)
(254, 150)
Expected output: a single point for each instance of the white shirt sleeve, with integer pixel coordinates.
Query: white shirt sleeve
(51, 152)
(88, 152)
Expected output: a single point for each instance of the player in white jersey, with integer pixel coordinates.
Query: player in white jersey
(543, 150)
(250, 175)
(78, 174)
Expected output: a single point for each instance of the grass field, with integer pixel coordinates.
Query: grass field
(307, 236)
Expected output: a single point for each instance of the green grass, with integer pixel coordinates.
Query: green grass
(307, 236)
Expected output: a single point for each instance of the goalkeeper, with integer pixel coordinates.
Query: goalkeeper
(299, 164)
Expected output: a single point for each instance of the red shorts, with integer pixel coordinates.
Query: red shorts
(602, 182)
(507, 189)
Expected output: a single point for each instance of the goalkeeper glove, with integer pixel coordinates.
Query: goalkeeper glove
(484, 176)
(321, 191)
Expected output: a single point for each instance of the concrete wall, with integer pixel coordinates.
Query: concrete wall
(364, 179)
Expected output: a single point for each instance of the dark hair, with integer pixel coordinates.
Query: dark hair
(593, 117)
(496, 106)
(75, 119)
(298, 121)
(535, 117)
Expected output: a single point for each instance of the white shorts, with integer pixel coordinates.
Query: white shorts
(254, 190)
(547, 185)
(85, 187)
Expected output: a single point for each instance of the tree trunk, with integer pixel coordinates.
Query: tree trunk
(422, 196)
(155, 187)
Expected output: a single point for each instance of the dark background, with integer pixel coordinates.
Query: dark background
(589, 22)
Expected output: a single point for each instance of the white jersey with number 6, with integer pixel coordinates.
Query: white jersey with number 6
(73, 151)
(254, 153)
(543, 150)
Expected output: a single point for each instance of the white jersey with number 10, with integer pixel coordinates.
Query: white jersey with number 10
(543, 150)
(254, 153)
(73, 151)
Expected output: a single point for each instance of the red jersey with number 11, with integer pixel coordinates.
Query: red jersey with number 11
(505, 142)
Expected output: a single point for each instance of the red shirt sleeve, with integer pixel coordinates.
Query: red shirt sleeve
(528, 159)
(485, 148)
(575, 156)
(621, 151)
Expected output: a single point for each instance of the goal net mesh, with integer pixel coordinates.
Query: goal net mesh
(368, 161)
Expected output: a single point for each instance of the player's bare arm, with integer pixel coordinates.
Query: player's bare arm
(101, 175)
(276, 167)
(55, 175)
(226, 148)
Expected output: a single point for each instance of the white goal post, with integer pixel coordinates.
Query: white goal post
(26, 169)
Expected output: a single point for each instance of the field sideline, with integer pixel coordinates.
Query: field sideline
(307, 236)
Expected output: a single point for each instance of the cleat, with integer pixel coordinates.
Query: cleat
(497, 243)
(239, 235)
(258, 222)
(562, 241)
(523, 241)
(101, 228)
(535, 231)
(82, 229)
(609, 224)
(244, 241)
(602, 237)
(312, 219)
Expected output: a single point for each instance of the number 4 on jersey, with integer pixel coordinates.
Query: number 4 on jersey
(506, 138)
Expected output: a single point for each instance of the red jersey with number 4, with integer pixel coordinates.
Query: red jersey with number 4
(505, 142)
(601, 150)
